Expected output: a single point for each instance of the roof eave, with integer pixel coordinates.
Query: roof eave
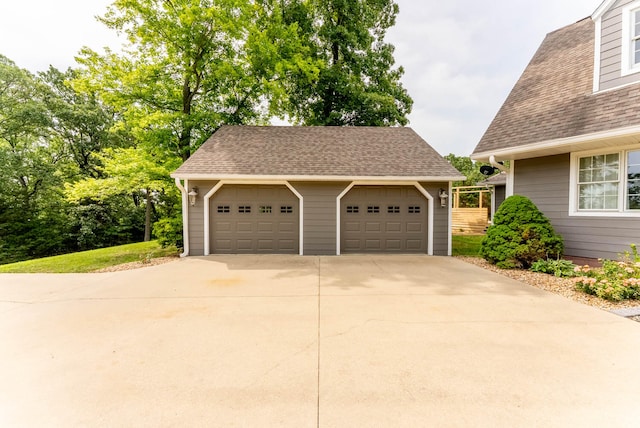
(611, 138)
(266, 178)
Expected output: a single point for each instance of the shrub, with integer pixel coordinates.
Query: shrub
(168, 231)
(560, 268)
(520, 235)
(616, 280)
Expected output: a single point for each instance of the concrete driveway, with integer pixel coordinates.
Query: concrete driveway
(349, 341)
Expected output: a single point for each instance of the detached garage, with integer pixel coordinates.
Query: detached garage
(315, 191)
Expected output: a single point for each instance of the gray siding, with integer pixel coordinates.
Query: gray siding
(611, 49)
(440, 220)
(546, 182)
(196, 218)
(319, 216)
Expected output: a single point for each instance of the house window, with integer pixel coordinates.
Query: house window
(286, 209)
(393, 209)
(631, 39)
(598, 182)
(265, 209)
(608, 183)
(224, 209)
(373, 209)
(353, 209)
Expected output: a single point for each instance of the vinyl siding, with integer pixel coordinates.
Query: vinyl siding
(546, 182)
(319, 216)
(440, 219)
(611, 49)
(196, 217)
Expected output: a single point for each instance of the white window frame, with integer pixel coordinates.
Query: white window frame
(622, 192)
(628, 13)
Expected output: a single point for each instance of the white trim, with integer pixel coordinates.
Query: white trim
(256, 179)
(301, 217)
(597, 55)
(508, 188)
(604, 6)
(450, 219)
(185, 216)
(207, 213)
(418, 186)
(338, 199)
(622, 185)
(627, 65)
(560, 145)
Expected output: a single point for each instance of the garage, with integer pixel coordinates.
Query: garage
(253, 219)
(315, 190)
(383, 219)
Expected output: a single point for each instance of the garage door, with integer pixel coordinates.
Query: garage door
(385, 219)
(254, 219)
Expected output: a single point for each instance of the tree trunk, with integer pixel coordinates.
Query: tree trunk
(147, 218)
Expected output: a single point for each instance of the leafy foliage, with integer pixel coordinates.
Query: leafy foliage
(616, 280)
(520, 235)
(558, 267)
(356, 82)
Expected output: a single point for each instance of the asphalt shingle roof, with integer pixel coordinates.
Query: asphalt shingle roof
(289, 151)
(554, 97)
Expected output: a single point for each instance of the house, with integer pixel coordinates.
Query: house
(570, 129)
(316, 190)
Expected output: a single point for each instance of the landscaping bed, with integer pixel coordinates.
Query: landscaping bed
(562, 286)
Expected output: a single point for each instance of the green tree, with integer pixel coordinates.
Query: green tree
(357, 84)
(130, 172)
(191, 66)
(32, 220)
(81, 123)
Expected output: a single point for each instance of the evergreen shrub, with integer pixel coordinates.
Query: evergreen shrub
(520, 235)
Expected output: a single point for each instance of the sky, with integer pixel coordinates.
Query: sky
(460, 57)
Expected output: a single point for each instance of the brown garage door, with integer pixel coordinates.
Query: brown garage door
(384, 219)
(254, 219)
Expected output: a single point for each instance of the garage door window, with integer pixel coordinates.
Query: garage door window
(414, 209)
(244, 209)
(393, 209)
(287, 209)
(353, 209)
(224, 209)
(373, 209)
(265, 209)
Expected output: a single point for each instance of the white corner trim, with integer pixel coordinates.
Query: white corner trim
(219, 184)
(604, 6)
(597, 55)
(185, 216)
(338, 199)
(510, 179)
(450, 219)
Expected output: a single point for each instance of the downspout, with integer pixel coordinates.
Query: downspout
(509, 186)
(495, 164)
(185, 217)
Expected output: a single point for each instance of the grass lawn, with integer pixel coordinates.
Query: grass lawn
(466, 245)
(87, 261)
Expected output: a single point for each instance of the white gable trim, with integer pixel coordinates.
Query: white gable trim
(602, 9)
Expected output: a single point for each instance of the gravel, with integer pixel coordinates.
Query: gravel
(562, 286)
